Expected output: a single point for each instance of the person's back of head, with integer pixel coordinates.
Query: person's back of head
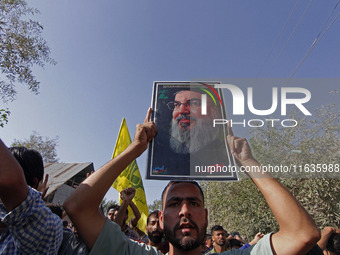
(234, 243)
(316, 250)
(333, 244)
(56, 209)
(32, 164)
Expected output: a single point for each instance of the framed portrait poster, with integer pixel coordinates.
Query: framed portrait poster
(189, 145)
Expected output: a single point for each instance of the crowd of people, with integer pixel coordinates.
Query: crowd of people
(29, 226)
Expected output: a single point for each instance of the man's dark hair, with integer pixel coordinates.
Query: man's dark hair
(233, 234)
(316, 250)
(175, 182)
(216, 228)
(56, 209)
(156, 213)
(115, 207)
(235, 243)
(31, 162)
(333, 243)
(65, 223)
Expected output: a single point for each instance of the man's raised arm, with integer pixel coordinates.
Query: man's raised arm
(83, 205)
(298, 232)
(126, 195)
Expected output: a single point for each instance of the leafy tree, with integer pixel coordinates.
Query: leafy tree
(239, 206)
(21, 47)
(156, 205)
(45, 145)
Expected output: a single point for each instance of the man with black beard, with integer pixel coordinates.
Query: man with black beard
(184, 217)
(155, 233)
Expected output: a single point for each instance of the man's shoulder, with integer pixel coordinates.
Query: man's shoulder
(112, 240)
(33, 227)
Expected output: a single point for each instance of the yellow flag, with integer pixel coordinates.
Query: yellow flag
(130, 177)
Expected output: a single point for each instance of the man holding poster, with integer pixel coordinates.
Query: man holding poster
(184, 217)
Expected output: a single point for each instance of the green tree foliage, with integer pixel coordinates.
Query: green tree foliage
(45, 145)
(21, 48)
(239, 206)
(156, 205)
(4, 113)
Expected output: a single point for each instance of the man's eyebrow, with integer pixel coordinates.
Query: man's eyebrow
(191, 99)
(179, 199)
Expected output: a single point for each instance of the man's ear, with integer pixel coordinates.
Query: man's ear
(161, 219)
(35, 183)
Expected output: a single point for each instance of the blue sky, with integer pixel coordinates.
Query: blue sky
(110, 52)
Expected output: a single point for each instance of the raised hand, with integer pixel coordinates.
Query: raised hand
(42, 187)
(128, 194)
(239, 147)
(144, 133)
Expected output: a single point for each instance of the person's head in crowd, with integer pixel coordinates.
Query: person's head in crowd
(234, 244)
(111, 212)
(65, 224)
(218, 235)
(56, 209)
(233, 234)
(333, 244)
(316, 250)
(190, 130)
(184, 219)
(32, 164)
(153, 230)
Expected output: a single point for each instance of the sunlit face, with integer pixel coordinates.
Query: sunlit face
(219, 237)
(153, 229)
(188, 109)
(184, 218)
(111, 214)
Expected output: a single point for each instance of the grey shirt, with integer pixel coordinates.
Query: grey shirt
(111, 240)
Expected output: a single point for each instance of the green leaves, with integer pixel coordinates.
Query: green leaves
(21, 47)
(4, 113)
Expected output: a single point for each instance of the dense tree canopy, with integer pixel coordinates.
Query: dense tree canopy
(239, 206)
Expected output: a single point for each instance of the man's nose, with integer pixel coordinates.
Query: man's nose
(184, 107)
(157, 227)
(185, 210)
